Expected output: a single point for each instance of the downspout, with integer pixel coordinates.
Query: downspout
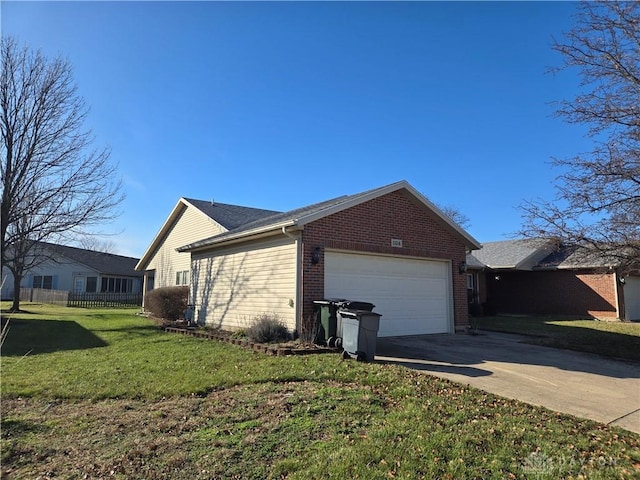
(145, 283)
(298, 289)
(620, 308)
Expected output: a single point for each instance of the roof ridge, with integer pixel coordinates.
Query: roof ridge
(214, 203)
(308, 213)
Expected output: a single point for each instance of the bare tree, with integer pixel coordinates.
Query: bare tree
(55, 185)
(456, 215)
(92, 242)
(597, 205)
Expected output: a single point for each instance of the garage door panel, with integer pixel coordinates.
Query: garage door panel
(632, 298)
(411, 294)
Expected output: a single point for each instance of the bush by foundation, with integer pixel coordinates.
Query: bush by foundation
(168, 303)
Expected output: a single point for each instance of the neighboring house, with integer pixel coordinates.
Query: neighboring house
(189, 221)
(389, 246)
(535, 276)
(78, 270)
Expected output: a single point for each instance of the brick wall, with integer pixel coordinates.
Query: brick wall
(369, 227)
(561, 292)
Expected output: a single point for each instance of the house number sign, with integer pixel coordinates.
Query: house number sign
(396, 242)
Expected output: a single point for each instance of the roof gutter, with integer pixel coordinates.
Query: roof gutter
(290, 235)
(238, 237)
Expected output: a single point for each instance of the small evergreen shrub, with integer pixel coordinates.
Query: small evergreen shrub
(267, 328)
(168, 303)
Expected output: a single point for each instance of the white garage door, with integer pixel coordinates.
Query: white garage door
(413, 295)
(632, 298)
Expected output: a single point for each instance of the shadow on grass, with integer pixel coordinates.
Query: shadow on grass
(570, 335)
(46, 336)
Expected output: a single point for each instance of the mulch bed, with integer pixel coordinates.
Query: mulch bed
(268, 349)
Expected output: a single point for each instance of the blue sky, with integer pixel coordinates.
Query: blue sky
(281, 104)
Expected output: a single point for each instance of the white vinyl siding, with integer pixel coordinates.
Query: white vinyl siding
(190, 226)
(413, 295)
(231, 286)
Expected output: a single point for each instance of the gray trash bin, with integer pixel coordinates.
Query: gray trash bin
(349, 305)
(359, 333)
(329, 323)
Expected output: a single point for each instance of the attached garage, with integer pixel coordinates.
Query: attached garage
(412, 294)
(632, 298)
(389, 246)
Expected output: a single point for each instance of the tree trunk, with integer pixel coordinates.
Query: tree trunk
(17, 280)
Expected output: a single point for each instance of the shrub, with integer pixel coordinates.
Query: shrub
(309, 330)
(168, 303)
(267, 328)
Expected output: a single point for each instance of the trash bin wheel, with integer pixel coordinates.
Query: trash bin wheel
(361, 356)
(331, 342)
(338, 342)
(345, 355)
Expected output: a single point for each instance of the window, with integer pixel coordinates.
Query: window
(92, 284)
(43, 281)
(470, 281)
(472, 292)
(182, 278)
(116, 285)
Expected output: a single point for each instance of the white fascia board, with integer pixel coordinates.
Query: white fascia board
(502, 267)
(182, 202)
(472, 243)
(144, 260)
(265, 231)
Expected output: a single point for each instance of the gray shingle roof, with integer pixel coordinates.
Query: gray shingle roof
(474, 263)
(105, 263)
(280, 218)
(300, 216)
(574, 257)
(536, 254)
(230, 216)
(522, 253)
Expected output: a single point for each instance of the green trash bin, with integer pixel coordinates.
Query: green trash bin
(326, 321)
(359, 334)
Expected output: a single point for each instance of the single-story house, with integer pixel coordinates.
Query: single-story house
(78, 270)
(538, 277)
(389, 246)
(189, 221)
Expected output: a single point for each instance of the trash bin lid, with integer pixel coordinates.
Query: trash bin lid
(330, 301)
(356, 305)
(357, 313)
(343, 312)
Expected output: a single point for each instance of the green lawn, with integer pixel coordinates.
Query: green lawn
(104, 393)
(611, 339)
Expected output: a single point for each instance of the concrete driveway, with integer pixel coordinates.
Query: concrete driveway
(579, 384)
